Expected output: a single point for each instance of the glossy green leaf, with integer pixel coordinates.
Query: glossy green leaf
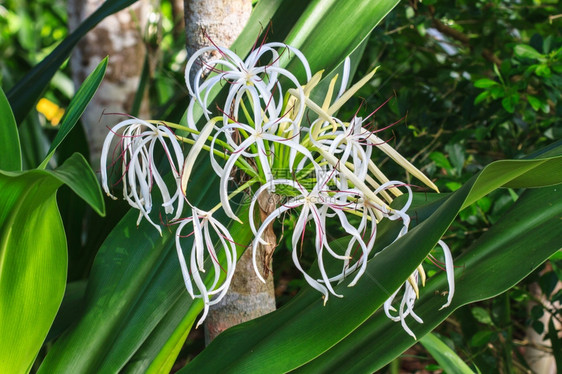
(32, 266)
(481, 97)
(76, 107)
(449, 361)
(510, 102)
(26, 92)
(485, 83)
(315, 34)
(77, 174)
(535, 102)
(304, 329)
(526, 51)
(33, 256)
(488, 268)
(135, 297)
(482, 315)
(9, 137)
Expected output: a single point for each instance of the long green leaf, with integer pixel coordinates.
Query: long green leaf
(134, 282)
(33, 256)
(270, 344)
(449, 361)
(330, 30)
(77, 174)
(9, 137)
(25, 94)
(32, 266)
(76, 107)
(504, 255)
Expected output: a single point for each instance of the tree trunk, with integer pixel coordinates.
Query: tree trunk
(221, 21)
(120, 37)
(218, 20)
(248, 297)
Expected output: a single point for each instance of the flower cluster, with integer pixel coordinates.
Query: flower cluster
(260, 127)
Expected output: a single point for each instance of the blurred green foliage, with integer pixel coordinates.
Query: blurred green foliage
(476, 81)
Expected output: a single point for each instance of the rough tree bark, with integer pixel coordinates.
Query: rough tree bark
(247, 297)
(119, 37)
(222, 21)
(218, 20)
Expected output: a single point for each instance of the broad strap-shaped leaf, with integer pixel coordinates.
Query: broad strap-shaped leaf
(26, 92)
(9, 137)
(304, 329)
(527, 235)
(33, 256)
(330, 30)
(76, 107)
(448, 359)
(32, 266)
(135, 296)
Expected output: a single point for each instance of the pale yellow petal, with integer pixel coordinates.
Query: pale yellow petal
(312, 83)
(328, 98)
(414, 285)
(194, 152)
(350, 92)
(423, 277)
(400, 160)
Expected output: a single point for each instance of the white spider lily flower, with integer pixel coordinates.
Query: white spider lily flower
(316, 205)
(406, 307)
(322, 132)
(258, 82)
(411, 292)
(342, 169)
(372, 213)
(257, 137)
(350, 142)
(140, 174)
(350, 146)
(206, 230)
(450, 270)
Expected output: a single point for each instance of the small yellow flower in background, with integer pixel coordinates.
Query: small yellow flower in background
(52, 112)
